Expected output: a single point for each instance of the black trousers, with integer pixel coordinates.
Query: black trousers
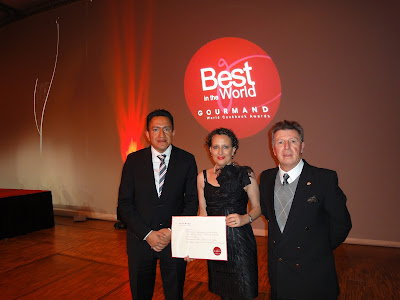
(327, 297)
(142, 262)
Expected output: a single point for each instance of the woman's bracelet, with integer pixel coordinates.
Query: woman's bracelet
(250, 218)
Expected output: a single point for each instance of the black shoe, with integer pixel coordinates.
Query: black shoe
(119, 225)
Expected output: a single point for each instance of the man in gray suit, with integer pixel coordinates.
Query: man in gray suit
(307, 219)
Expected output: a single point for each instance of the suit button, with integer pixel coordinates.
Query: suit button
(297, 265)
(307, 228)
(280, 259)
(273, 241)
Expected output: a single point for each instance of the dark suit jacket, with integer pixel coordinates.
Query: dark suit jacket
(138, 203)
(300, 260)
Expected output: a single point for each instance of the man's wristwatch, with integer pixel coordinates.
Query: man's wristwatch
(250, 218)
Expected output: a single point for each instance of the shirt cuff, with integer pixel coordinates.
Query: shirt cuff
(147, 235)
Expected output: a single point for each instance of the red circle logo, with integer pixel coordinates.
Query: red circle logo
(232, 83)
(217, 251)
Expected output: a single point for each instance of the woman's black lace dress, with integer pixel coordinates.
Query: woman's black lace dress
(236, 278)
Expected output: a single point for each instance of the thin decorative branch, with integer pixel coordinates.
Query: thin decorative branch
(40, 130)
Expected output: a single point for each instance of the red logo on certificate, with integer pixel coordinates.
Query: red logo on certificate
(217, 251)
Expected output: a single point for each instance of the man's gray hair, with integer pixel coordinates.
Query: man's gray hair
(287, 125)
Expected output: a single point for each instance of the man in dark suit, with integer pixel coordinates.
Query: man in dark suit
(307, 219)
(157, 183)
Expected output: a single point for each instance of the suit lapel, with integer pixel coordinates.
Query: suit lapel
(271, 196)
(149, 172)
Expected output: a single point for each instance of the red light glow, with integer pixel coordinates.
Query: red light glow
(130, 98)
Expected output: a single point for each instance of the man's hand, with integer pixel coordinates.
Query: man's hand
(158, 240)
(167, 233)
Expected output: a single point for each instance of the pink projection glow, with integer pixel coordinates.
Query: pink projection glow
(130, 100)
(223, 64)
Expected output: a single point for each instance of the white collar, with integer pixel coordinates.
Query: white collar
(155, 153)
(293, 173)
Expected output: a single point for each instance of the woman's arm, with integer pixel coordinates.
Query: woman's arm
(200, 192)
(236, 220)
(254, 197)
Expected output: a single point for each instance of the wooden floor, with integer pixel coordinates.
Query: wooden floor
(87, 260)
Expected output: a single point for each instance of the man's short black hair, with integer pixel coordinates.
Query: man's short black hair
(160, 113)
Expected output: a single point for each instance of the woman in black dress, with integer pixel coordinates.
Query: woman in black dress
(224, 190)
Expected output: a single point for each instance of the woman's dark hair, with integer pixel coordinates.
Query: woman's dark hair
(223, 131)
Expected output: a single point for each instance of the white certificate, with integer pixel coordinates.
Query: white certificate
(199, 237)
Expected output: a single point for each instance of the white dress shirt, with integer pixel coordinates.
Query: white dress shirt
(293, 173)
(156, 168)
(156, 163)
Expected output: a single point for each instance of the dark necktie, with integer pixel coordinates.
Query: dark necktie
(285, 178)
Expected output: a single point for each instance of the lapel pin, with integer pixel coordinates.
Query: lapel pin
(308, 183)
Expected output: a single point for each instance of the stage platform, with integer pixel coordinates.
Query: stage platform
(24, 211)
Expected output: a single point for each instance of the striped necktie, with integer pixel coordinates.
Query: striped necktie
(163, 171)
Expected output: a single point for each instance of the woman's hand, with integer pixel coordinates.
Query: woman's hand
(236, 220)
(187, 259)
